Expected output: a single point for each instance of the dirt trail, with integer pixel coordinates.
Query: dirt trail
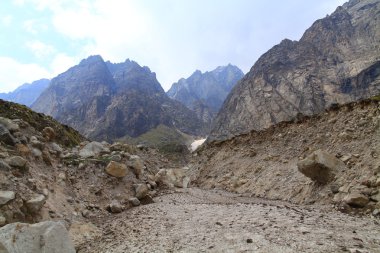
(195, 220)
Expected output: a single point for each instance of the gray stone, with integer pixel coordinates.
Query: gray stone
(9, 124)
(36, 143)
(115, 207)
(3, 221)
(6, 137)
(173, 177)
(36, 152)
(376, 197)
(55, 148)
(43, 237)
(320, 166)
(4, 165)
(356, 200)
(17, 161)
(6, 196)
(134, 201)
(141, 190)
(35, 204)
(92, 149)
(116, 158)
(137, 165)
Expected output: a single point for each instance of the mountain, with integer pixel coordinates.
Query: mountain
(336, 61)
(27, 93)
(107, 101)
(204, 93)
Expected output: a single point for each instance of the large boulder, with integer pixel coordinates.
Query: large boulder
(6, 196)
(92, 149)
(320, 166)
(173, 177)
(43, 237)
(116, 169)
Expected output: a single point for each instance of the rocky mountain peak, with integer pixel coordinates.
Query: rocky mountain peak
(129, 76)
(204, 93)
(27, 93)
(335, 62)
(109, 101)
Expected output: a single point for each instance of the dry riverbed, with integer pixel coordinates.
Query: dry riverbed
(195, 220)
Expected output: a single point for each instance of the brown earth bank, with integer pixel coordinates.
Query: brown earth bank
(267, 163)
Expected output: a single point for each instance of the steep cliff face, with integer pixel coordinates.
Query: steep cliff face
(79, 96)
(107, 101)
(337, 60)
(204, 93)
(27, 93)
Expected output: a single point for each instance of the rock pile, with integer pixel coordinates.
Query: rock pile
(48, 172)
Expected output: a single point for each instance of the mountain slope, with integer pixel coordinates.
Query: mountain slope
(27, 93)
(204, 93)
(106, 101)
(337, 60)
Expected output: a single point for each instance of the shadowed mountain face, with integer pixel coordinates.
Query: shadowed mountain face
(107, 101)
(337, 60)
(204, 93)
(27, 93)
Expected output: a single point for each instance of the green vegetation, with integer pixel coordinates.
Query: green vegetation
(165, 139)
(375, 98)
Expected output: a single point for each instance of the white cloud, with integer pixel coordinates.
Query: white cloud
(34, 26)
(61, 63)
(7, 20)
(40, 49)
(172, 37)
(14, 73)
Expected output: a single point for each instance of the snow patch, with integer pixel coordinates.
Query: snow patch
(196, 144)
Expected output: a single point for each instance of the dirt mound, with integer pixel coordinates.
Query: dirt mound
(264, 164)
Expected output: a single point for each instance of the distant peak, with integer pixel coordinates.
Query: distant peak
(92, 59)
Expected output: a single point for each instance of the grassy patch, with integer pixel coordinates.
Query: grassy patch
(165, 139)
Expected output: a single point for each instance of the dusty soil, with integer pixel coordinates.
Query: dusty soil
(264, 164)
(195, 220)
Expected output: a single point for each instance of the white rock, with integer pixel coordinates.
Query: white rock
(43, 237)
(92, 149)
(6, 196)
(35, 204)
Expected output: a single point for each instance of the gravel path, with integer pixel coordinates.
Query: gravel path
(195, 220)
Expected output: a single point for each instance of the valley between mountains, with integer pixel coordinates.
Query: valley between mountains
(98, 160)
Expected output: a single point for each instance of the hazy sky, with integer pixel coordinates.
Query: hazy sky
(42, 38)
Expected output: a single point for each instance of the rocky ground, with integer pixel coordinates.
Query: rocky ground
(114, 197)
(195, 220)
